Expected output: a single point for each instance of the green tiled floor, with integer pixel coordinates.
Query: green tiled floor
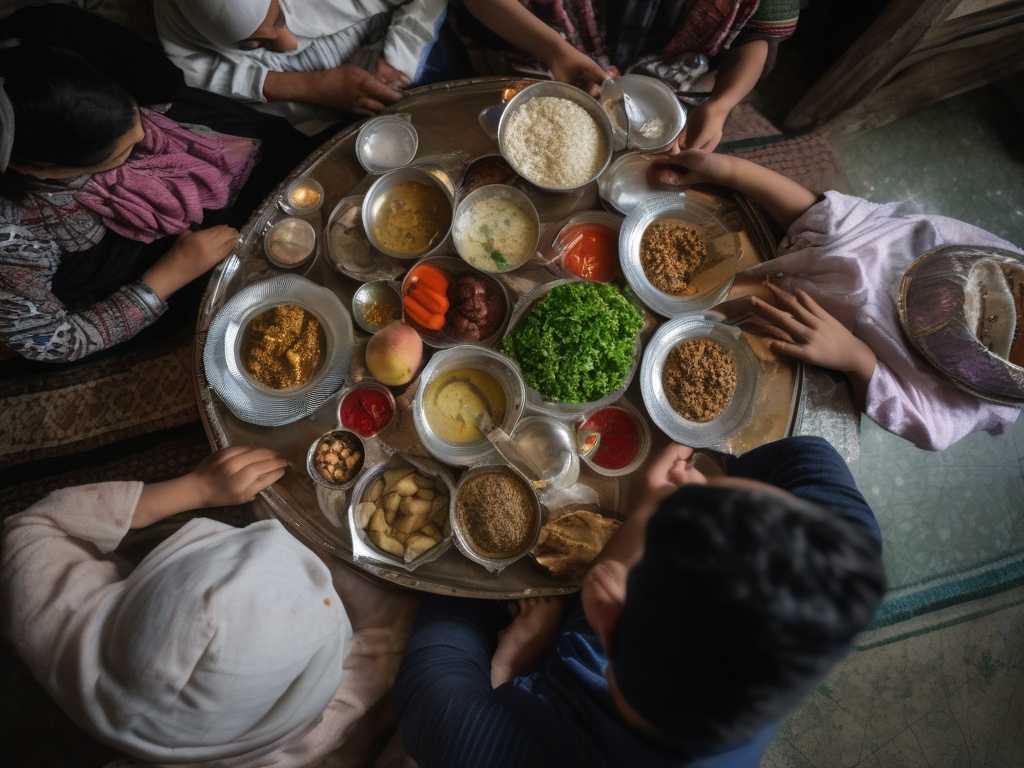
(949, 693)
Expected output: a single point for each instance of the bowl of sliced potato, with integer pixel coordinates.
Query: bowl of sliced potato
(399, 512)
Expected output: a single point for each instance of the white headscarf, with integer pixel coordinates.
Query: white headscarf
(224, 643)
(226, 22)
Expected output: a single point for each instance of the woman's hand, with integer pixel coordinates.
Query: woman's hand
(193, 254)
(802, 329)
(346, 88)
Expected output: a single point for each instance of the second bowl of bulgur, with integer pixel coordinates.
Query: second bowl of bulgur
(699, 380)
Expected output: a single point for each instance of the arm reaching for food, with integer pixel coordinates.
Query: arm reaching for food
(736, 77)
(231, 476)
(517, 25)
(785, 200)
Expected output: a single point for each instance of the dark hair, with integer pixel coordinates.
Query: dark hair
(66, 113)
(741, 602)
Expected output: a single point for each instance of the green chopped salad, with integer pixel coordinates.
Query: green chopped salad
(576, 344)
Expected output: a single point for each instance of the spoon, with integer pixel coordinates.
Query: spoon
(503, 443)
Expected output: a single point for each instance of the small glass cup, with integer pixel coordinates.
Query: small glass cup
(290, 243)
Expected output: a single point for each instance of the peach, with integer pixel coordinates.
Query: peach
(394, 354)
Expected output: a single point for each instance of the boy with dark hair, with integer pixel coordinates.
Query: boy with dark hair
(717, 606)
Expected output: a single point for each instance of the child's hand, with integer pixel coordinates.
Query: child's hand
(691, 166)
(576, 68)
(663, 472)
(704, 124)
(235, 475)
(802, 329)
(193, 254)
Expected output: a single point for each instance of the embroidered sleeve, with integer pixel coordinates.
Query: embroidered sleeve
(35, 324)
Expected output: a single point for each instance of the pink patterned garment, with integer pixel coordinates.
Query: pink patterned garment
(169, 178)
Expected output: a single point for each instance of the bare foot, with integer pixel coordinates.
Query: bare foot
(522, 643)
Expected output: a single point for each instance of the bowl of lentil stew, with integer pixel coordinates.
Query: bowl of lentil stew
(699, 380)
(496, 516)
(677, 255)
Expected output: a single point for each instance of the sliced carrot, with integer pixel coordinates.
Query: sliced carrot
(421, 315)
(426, 274)
(434, 301)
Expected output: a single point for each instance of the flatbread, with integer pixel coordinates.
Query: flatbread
(568, 544)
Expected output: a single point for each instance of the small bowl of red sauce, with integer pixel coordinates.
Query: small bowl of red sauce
(622, 436)
(367, 408)
(587, 247)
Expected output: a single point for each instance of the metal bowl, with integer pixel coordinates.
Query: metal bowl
(290, 243)
(363, 548)
(552, 407)
(373, 422)
(385, 294)
(455, 268)
(385, 143)
(462, 537)
(708, 434)
(347, 437)
(561, 91)
(496, 228)
(428, 416)
(430, 224)
(712, 284)
(645, 113)
(551, 445)
(595, 458)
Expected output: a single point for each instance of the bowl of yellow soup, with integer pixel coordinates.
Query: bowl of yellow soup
(407, 213)
(457, 387)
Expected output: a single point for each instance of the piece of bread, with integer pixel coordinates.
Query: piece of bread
(568, 544)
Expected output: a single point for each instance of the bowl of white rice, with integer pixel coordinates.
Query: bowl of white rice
(555, 136)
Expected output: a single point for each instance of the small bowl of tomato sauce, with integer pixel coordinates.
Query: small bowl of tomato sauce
(614, 440)
(366, 408)
(586, 247)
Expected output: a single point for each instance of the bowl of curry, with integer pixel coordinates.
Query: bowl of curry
(283, 347)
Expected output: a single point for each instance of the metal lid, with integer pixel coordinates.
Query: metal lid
(962, 308)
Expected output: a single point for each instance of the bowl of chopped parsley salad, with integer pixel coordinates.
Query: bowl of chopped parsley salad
(576, 344)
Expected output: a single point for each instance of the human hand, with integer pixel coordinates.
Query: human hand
(692, 166)
(576, 68)
(394, 78)
(802, 329)
(352, 89)
(704, 124)
(663, 472)
(235, 475)
(193, 254)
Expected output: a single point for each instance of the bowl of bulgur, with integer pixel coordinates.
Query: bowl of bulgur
(496, 516)
(677, 255)
(555, 136)
(699, 379)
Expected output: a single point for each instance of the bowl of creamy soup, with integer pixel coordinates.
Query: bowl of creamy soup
(462, 391)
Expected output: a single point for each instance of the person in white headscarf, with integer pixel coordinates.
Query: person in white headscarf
(224, 646)
(307, 61)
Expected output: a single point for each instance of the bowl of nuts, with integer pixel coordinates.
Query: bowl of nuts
(399, 513)
(335, 459)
